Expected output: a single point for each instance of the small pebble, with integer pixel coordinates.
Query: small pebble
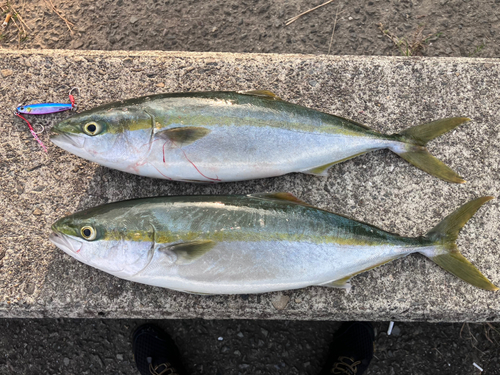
(37, 212)
(396, 331)
(280, 302)
(66, 361)
(6, 72)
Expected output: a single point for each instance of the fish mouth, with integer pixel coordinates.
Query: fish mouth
(66, 141)
(65, 243)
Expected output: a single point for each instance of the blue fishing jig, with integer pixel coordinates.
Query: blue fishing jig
(44, 109)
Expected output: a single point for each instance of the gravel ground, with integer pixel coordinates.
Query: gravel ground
(451, 28)
(65, 346)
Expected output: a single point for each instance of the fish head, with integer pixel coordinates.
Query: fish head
(106, 135)
(102, 238)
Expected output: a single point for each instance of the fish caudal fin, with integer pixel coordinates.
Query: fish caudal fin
(413, 150)
(447, 255)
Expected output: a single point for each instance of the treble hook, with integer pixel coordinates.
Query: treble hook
(74, 89)
(41, 131)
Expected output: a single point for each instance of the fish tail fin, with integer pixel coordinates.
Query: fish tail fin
(446, 253)
(413, 147)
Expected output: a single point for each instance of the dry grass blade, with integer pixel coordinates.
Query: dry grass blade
(17, 20)
(487, 331)
(471, 337)
(409, 47)
(470, 333)
(51, 6)
(333, 31)
(19, 17)
(293, 19)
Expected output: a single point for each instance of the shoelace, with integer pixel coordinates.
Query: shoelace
(342, 367)
(164, 368)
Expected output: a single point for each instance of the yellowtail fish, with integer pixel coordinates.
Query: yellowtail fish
(247, 244)
(233, 136)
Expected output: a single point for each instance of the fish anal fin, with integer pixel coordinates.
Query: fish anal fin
(344, 283)
(322, 170)
(183, 135)
(198, 293)
(282, 196)
(262, 93)
(188, 252)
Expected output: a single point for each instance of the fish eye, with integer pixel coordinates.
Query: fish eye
(88, 233)
(92, 128)
(21, 108)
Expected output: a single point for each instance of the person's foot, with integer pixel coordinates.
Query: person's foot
(351, 350)
(155, 352)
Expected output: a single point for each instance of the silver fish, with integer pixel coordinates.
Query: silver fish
(233, 136)
(247, 244)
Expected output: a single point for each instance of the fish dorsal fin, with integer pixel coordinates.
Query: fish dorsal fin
(282, 196)
(184, 135)
(262, 93)
(190, 251)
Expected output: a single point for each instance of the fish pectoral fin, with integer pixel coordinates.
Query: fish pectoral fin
(322, 170)
(261, 93)
(190, 251)
(283, 196)
(344, 283)
(183, 135)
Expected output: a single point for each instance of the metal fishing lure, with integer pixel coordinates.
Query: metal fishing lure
(44, 109)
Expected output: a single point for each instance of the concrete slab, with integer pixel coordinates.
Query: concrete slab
(389, 94)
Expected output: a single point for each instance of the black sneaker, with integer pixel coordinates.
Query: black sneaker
(351, 350)
(155, 352)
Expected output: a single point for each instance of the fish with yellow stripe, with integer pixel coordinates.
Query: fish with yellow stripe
(234, 136)
(247, 243)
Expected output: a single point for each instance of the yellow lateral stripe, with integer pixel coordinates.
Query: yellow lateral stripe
(233, 235)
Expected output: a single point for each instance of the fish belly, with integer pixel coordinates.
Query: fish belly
(233, 153)
(257, 267)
